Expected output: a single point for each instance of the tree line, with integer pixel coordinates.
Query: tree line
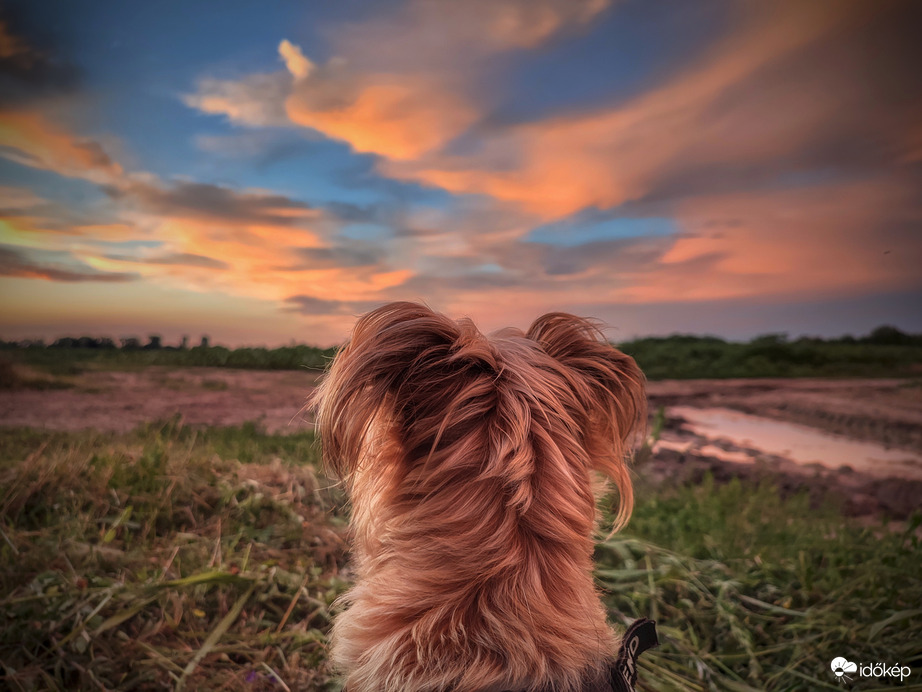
(885, 351)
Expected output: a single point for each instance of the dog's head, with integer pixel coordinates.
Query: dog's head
(416, 400)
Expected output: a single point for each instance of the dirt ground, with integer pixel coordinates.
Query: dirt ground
(888, 411)
(119, 401)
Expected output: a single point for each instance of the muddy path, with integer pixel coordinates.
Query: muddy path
(887, 411)
(682, 456)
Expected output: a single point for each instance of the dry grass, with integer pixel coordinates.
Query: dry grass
(14, 375)
(164, 560)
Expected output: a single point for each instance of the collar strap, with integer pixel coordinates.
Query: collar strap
(639, 637)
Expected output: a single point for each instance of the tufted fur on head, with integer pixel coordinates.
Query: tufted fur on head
(472, 464)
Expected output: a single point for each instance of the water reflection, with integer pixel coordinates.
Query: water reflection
(752, 436)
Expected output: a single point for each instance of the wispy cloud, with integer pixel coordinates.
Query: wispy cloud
(205, 237)
(182, 259)
(211, 202)
(16, 263)
(29, 138)
(266, 245)
(257, 100)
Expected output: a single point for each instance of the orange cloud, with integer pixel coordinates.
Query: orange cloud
(613, 155)
(245, 262)
(778, 92)
(206, 237)
(403, 87)
(299, 66)
(400, 118)
(243, 242)
(402, 83)
(800, 243)
(793, 243)
(28, 138)
(394, 114)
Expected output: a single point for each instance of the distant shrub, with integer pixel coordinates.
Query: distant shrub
(9, 378)
(772, 355)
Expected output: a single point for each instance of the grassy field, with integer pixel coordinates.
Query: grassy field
(209, 559)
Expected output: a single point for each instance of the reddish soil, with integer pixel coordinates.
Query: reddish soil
(120, 401)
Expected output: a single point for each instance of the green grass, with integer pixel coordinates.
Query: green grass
(74, 361)
(206, 559)
(755, 592)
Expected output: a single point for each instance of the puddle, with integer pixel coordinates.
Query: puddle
(704, 450)
(799, 443)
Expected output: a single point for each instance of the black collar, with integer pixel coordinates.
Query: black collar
(640, 636)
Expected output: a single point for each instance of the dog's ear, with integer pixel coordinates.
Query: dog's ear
(609, 388)
(403, 363)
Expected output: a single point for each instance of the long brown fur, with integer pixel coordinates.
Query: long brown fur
(471, 463)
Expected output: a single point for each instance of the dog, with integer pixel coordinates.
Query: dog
(474, 465)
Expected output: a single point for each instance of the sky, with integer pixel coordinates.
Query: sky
(265, 172)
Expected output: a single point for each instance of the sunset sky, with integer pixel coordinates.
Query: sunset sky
(264, 172)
